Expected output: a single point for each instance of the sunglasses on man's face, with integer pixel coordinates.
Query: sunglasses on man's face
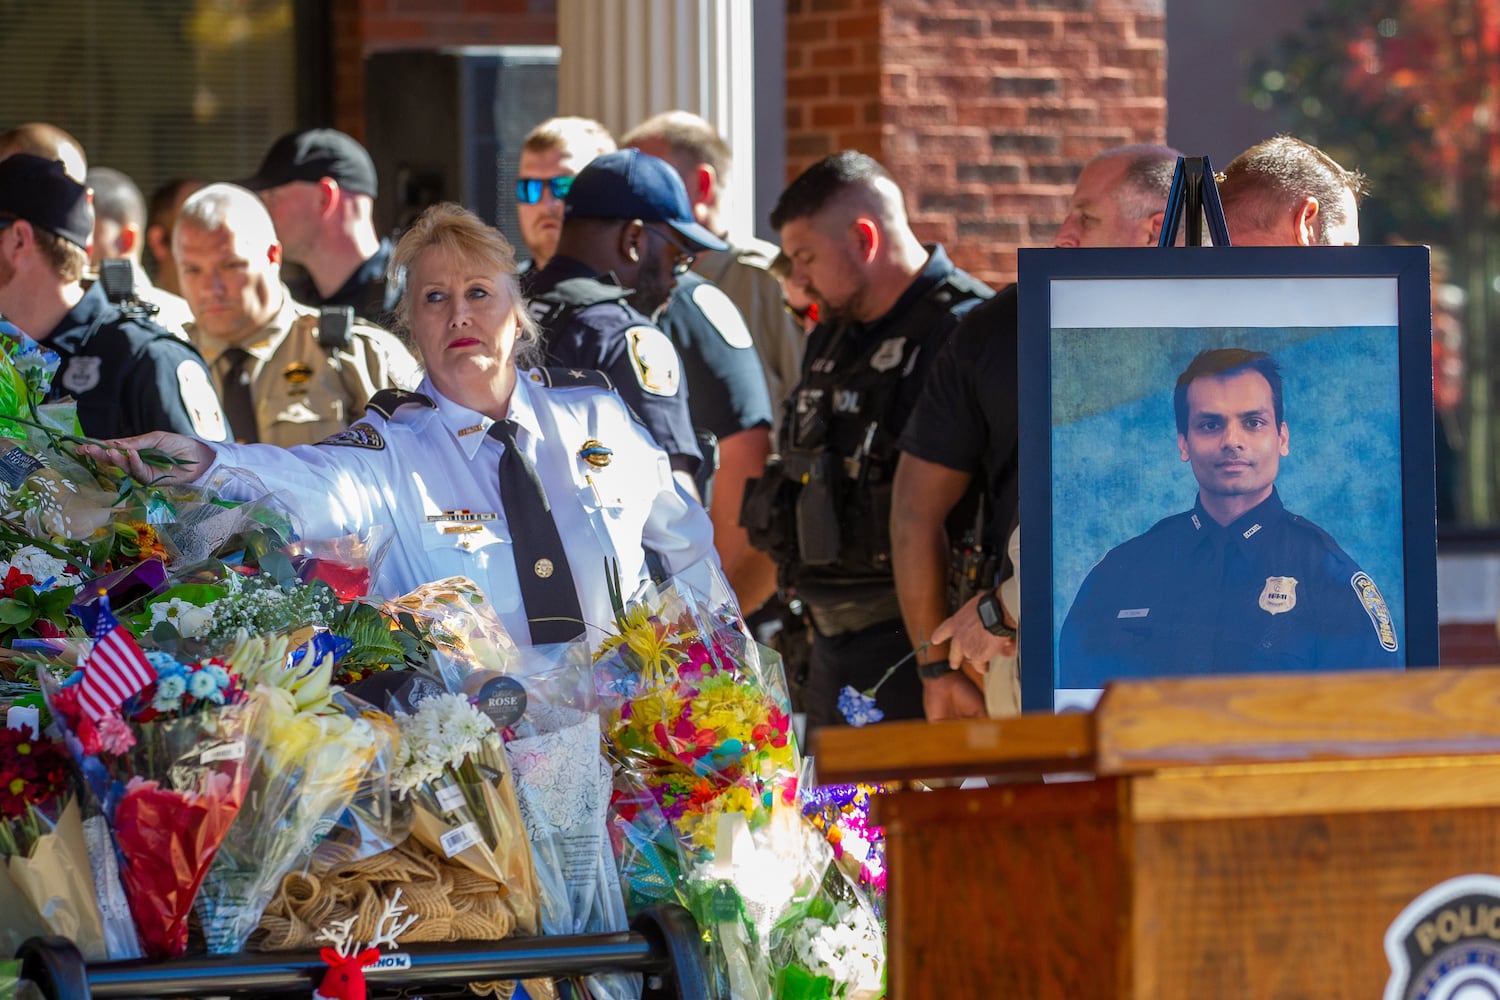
(529, 189)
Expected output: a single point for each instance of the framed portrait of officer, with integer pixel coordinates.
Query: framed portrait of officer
(1229, 464)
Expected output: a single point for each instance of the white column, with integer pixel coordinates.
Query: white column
(625, 60)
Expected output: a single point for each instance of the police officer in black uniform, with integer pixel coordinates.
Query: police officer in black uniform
(823, 507)
(128, 375)
(628, 233)
(1238, 583)
(320, 187)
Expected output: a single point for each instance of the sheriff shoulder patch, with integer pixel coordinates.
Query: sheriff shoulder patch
(654, 359)
(722, 314)
(1380, 615)
(360, 435)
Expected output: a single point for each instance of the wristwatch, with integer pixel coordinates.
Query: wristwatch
(992, 616)
(932, 671)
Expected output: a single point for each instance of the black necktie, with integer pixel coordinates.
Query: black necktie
(541, 565)
(239, 404)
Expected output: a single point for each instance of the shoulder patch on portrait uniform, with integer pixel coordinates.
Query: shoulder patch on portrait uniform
(1380, 615)
(722, 314)
(202, 401)
(360, 435)
(657, 367)
(387, 401)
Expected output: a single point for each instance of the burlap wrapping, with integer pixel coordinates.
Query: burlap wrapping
(451, 902)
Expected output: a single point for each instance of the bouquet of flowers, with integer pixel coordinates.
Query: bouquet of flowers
(842, 813)
(829, 945)
(45, 885)
(315, 746)
(690, 710)
(162, 745)
(450, 761)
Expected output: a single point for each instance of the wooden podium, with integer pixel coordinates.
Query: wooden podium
(1225, 838)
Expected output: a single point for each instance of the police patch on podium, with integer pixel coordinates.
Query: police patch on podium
(1446, 944)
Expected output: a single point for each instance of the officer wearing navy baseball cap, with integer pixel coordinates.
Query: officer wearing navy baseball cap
(628, 232)
(629, 184)
(129, 375)
(41, 192)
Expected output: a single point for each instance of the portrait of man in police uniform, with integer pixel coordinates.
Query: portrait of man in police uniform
(1238, 583)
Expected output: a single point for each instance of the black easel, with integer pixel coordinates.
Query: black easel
(1194, 196)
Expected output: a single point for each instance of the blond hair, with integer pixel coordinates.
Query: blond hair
(465, 236)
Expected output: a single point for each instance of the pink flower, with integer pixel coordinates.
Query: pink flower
(115, 735)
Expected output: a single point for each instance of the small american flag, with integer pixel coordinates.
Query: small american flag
(115, 669)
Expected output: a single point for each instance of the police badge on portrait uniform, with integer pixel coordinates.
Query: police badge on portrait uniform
(1279, 595)
(82, 374)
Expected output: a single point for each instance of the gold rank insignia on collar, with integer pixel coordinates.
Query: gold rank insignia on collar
(595, 453)
(297, 373)
(471, 429)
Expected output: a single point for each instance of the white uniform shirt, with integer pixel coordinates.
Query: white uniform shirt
(431, 477)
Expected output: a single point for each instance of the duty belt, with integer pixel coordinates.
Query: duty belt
(838, 617)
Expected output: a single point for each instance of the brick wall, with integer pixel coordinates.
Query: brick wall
(361, 27)
(984, 110)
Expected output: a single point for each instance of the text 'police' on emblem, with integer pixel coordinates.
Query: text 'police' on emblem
(1279, 595)
(1446, 944)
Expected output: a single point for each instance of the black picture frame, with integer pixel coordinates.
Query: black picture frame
(1103, 333)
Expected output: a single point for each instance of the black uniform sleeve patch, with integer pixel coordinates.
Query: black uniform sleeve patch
(360, 435)
(387, 401)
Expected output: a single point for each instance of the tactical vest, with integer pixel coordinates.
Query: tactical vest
(553, 308)
(840, 439)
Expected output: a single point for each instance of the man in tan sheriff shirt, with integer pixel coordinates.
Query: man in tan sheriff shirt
(281, 382)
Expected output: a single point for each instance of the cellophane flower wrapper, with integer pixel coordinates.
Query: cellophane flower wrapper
(452, 765)
(465, 633)
(169, 797)
(842, 814)
(312, 759)
(46, 885)
(347, 563)
(647, 851)
(377, 818)
(829, 944)
(199, 524)
(544, 706)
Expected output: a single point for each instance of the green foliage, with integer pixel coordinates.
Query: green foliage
(1350, 82)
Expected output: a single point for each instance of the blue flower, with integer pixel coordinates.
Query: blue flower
(858, 708)
(201, 685)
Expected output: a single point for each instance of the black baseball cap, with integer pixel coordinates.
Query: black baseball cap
(40, 191)
(629, 184)
(312, 155)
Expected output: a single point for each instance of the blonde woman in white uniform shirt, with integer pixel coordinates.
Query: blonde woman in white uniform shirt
(424, 464)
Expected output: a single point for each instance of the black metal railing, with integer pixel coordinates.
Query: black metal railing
(663, 945)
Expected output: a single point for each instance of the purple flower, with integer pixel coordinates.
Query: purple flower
(858, 708)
